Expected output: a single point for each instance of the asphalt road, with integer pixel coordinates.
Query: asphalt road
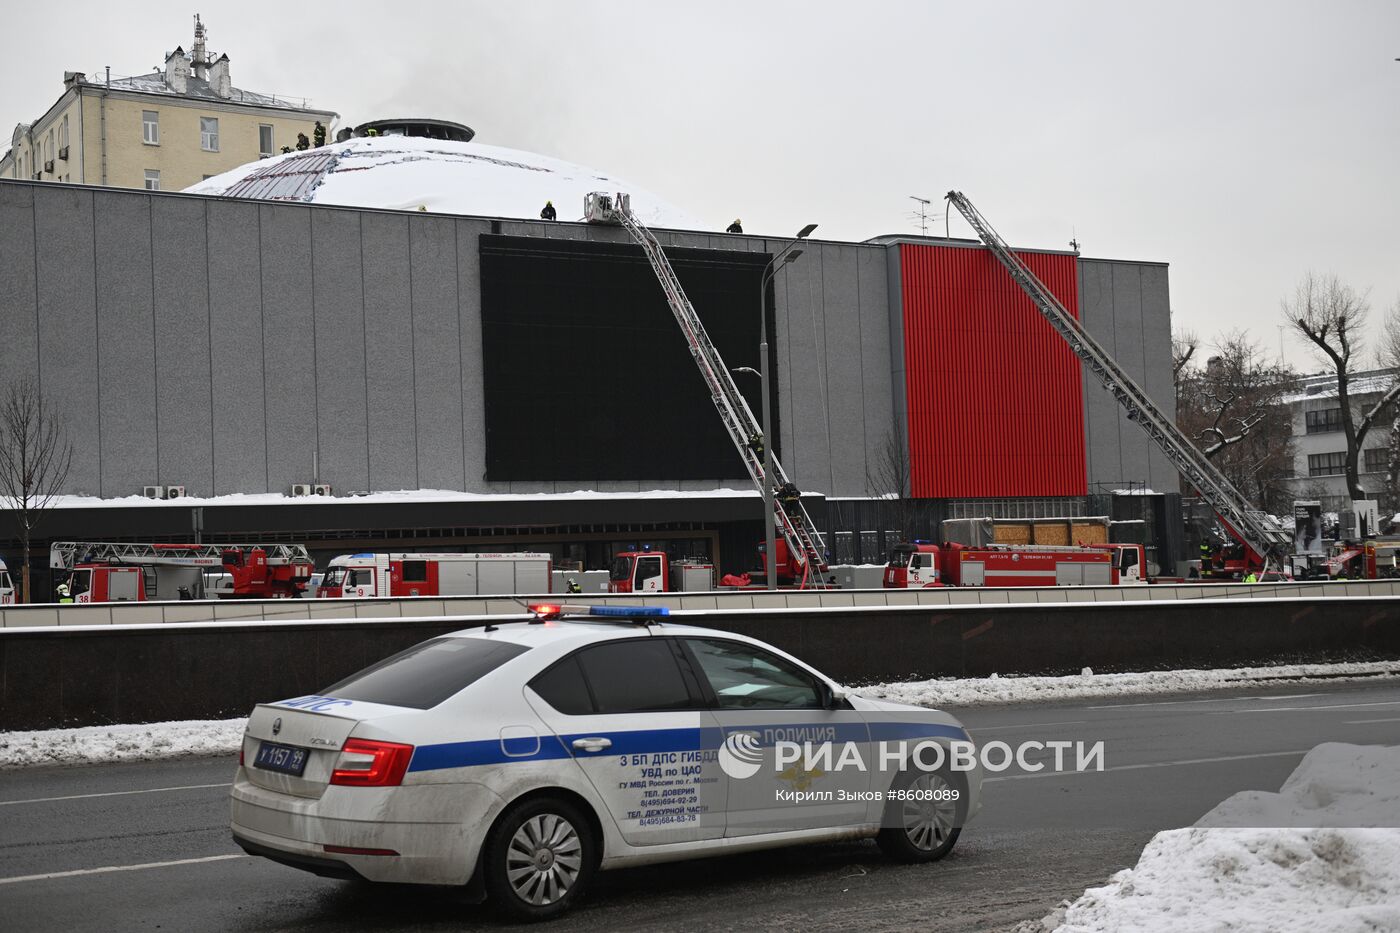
(146, 846)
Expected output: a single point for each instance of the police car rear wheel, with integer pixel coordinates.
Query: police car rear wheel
(541, 855)
(923, 825)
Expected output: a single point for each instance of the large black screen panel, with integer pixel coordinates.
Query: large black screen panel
(587, 374)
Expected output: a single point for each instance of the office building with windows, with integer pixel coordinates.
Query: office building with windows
(1319, 442)
(165, 130)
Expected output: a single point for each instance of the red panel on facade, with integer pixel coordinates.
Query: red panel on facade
(995, 398)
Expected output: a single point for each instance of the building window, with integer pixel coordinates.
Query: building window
(209, 134)
(1327, 464)
(1336, 504)
(264, 140)
(63, 133)
(150, 127)
(1377, 459)
(152, 179)
(1324, 420)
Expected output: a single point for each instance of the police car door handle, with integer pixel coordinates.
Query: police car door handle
(593, 744)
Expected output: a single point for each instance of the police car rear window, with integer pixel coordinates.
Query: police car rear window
(426, 674)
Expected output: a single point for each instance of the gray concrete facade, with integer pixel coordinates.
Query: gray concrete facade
(1126, 307)
(233, 347)
(236, 347)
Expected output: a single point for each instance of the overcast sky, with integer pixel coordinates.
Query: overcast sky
(1243, 143)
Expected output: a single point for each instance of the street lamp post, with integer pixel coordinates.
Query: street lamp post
(770, 558)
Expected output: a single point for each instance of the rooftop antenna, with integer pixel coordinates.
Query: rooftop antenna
(923, 213)
(197, 53)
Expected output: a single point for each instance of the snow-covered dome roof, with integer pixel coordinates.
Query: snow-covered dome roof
(412, 173)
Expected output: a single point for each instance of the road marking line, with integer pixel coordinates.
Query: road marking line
(113, 793)
(1029, 725)
(1294, 696)
(112, 868)
(1154, 764)
(1357, 722)
(1297, 709)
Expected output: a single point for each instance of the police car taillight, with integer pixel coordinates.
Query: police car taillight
(366, 763)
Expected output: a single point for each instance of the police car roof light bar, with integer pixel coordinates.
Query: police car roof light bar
(639, 615)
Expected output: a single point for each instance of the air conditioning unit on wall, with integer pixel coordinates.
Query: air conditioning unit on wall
(153, 492)
(174, 492)
(301, 489)
(321, 489)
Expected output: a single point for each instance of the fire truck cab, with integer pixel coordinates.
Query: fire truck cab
(7, 586)
(919, 565)
(99, 583)
(1129, 559)
(648, 571)
(363, 576)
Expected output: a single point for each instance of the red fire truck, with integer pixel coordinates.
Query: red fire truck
(7, 587)
(367, 575)
(648, 571)
(924, 565)
(103, 572)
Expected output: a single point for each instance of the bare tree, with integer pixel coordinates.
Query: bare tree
(1233, 408)
(1389, 358)
(888, 479)
(1184, 346)
(1332, 317)
(35, 455)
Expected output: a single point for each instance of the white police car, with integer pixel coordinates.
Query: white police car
(520, 757)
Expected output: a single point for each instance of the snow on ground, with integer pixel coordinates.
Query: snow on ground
(978, 691)
(397, 497)
(1268, 862)
(120, 743)
(220, 737)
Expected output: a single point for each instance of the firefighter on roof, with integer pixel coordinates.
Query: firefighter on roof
(548, 213)
(735, 227)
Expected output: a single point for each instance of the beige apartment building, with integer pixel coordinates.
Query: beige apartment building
(165, 130)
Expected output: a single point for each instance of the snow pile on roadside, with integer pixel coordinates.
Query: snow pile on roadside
(1336, 784)
(977, 691)
(1306, 876)
(121, 743)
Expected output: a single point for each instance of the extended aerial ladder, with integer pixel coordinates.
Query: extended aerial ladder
(1256, 529)
(65, 555)
(249, 571)
(803, 542)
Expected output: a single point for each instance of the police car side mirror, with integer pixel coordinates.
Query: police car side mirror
(835, 696)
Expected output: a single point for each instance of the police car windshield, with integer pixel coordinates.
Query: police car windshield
(426, 674)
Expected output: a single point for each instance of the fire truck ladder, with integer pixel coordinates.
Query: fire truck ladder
(793, 522)
(64, 555)
(1255, 528)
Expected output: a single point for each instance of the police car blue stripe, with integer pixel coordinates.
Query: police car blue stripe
(646, 741)
(493, 751)
(483, 752)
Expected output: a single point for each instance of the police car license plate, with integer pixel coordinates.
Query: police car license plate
(281, 758)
